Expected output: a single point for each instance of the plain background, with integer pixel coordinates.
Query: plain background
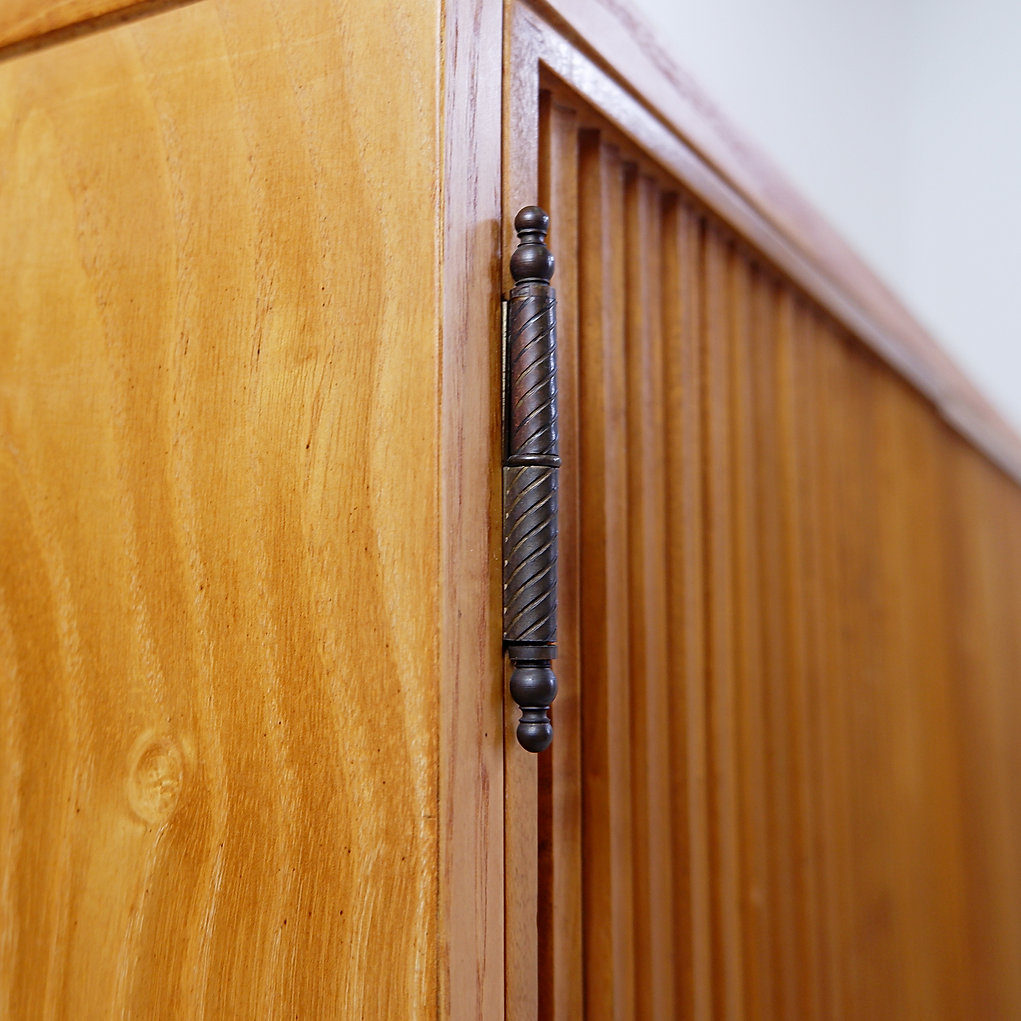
(901, 122)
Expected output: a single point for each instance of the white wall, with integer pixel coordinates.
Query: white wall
(901, 122)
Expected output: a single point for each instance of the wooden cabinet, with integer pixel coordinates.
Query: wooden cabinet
(255, 755)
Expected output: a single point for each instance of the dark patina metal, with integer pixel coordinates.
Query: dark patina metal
(530, 481)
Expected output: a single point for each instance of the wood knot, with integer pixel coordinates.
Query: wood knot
(155, 776)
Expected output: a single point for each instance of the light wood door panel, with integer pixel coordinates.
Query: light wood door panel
(220, 552)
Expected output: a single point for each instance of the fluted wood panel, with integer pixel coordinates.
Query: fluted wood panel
(785, 779)
(607, 806)
(218, 406)
(560, 810)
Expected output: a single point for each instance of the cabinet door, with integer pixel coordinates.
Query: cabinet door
(218, 515)
(781, 784)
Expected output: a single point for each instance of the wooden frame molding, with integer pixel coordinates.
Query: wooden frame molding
(471, 844)
(604, 52)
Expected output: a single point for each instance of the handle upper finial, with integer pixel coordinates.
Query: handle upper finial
(532, 261)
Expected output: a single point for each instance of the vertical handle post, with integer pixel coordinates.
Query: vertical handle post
(531, 480)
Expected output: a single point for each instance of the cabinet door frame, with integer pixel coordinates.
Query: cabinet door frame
(471, 782)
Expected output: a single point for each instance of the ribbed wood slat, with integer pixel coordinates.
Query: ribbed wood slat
(797, 607)
(827, 455)
(605, 672)
(724, 878)
(685, 677)
(755, 839)
(795, 642)
(647, 583)
(764, 370)
(560, 898)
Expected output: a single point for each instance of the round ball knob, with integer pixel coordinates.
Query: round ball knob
(532, 260)
(533, 684)
(535, 732)
(532, 218)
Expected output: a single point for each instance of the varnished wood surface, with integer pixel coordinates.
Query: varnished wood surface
(471, 654)
(797, 644)
(521, 963)
(647, 607)
(683, 468)
(607, 806)
(220, 543)
(607, 51)
(561, 992)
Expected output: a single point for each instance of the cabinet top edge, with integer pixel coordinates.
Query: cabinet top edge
(617, 38)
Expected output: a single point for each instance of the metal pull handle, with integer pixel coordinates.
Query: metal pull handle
(530, 480)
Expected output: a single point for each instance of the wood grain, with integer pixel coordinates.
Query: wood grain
(522, 975)
(750, 692)
(764, 365)
(685, 678)
(647, 585)
(795, 594)
(606, 709)
(561, 978)
(219, 366)
(721, 723)
(471, 973)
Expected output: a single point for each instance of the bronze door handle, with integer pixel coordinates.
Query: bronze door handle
(530, 480)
